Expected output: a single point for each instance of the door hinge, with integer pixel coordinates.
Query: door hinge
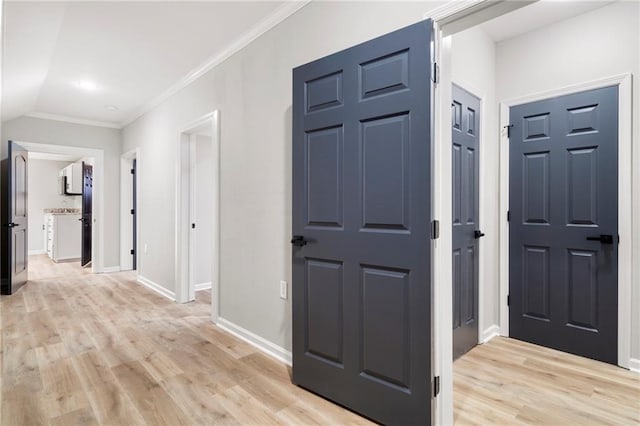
(508, 215)
(133, 211)
(133, 251)
(435, 229)
(133, 171)
(193, 226)
(436, 73)
(508, 300)
(508, 127)
(436, 386)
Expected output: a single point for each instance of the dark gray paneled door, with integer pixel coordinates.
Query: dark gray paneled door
(87, 213)
(361, 225)
(563, 259)
(14, 219)
(465, 125)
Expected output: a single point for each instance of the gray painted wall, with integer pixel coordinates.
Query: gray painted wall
(252, 90)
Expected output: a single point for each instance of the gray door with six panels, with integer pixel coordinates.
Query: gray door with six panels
(361, 227)
(564, 223)
(465, 125)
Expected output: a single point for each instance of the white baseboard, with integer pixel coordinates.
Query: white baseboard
(277, 352)
(203, 286)
(490, 332)
(39, 251)
(634, 365)
(108, 269)
(157, 288)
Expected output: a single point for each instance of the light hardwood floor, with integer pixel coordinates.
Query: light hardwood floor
(509, 382)
(102, 349)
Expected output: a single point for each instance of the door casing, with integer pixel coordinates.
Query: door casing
(126, 197)
(97, 157)
(185, 289)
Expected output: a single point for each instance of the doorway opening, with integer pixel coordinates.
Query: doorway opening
(59, 212)
(197, 210)
(476, 50)
(129, 204)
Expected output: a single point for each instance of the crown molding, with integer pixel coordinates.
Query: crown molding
(264, 25)
(74, 120)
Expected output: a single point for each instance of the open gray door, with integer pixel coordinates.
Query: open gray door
(14, 219)
(563, 195)
(465, 126)
(361, 227)
(87, 213)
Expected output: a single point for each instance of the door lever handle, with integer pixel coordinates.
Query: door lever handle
(11, 225)
(477, 234)
(298, 241)
(604, 239)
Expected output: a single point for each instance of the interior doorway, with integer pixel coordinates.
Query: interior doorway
(129, 204)
(53, 199)
(529, 80)
(197, 207)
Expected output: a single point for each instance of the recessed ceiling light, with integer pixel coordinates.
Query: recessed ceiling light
(87, 85)
(111, 108)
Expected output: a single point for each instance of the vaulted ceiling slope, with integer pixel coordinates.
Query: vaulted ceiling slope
(104, 61)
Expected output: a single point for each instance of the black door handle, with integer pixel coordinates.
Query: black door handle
(604, 239)
(298, 241)
(11, 225)
(477, 234)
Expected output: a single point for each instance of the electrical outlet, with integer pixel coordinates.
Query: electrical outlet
(283, 290)
(145, 248)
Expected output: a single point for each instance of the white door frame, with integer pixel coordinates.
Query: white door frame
(452, 17)
(126, 194)
(97, 230)
(185, 287)
(625, 196)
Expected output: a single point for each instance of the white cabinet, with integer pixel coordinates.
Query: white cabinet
(71, 179)
(62, 236)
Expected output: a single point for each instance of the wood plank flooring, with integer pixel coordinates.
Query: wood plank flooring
(83, 349)
(510, 382)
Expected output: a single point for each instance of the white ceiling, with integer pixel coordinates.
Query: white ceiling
(132, 51)
(537, 15)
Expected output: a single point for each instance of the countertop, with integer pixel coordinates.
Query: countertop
(62, 211)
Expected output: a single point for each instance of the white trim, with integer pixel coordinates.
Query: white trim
(271, 349)
(39, 251)
(184, 290)
(157, 288)
(625, 213)
(97, 238)
(450, 9)
(74, 120)
(491, 332)
(459, 15)
(634, 365)
(442, 247)
(202, 286)
(109, 269)
(126, 194)
(270, 21)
